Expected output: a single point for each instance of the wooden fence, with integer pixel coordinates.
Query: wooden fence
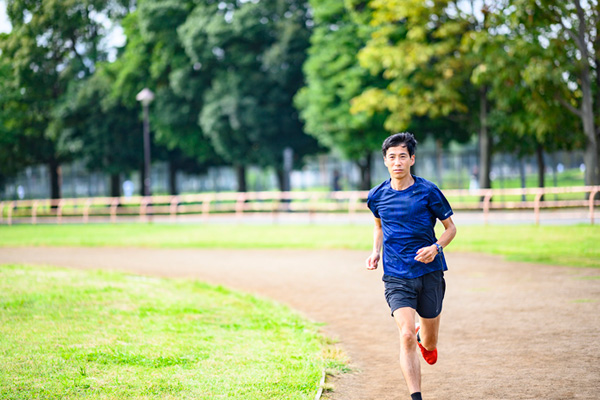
(208, 205)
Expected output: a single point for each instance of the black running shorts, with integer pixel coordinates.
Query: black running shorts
(425, 294)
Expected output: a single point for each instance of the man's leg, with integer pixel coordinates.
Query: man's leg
(409, 358)
(430, 328)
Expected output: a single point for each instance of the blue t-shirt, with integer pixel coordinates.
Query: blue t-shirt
(407, 218)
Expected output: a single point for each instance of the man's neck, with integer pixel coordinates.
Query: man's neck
(401, 184)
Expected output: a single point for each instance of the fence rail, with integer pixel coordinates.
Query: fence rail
(350, 202)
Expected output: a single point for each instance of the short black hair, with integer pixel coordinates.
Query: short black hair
(403, 138)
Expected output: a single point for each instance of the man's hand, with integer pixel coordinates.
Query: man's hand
(372, 261)
(427, 254)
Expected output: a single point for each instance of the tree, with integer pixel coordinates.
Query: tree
(252, 52)
(566, 64)
(333, 78)
(14, 147)
(525, 119)
(105, 129)
(416, 46)
(154, 57)
(52, 43)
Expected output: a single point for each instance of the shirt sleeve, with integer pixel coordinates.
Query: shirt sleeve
(438, 204)
(372, 206)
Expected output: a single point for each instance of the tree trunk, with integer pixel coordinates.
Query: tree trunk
(172, 178)
(365, 172)
(281, 182)
(485, 145)
(240, 173)
(590, 157)
(539, 152)
(142, 179)
(55, 179)
(115, 185)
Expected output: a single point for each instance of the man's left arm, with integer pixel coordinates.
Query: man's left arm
(427, 254)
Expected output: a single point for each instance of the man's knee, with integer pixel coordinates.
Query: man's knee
(408, 339)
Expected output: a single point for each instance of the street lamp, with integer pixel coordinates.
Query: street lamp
(145, 97)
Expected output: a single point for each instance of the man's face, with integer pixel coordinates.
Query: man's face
(398, 161)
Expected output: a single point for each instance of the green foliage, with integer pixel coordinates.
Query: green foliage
(225, 74)
(251, 53)
(333, 79)
(75, 334)
(417, 46)
(107, 130)
(178, 85)
(561, 39)
(504, 67)
(526, 113)
(52, 45)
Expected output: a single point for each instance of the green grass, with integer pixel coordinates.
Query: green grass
(575, 245)
(68, 334)
(558, 245)
(196, 236)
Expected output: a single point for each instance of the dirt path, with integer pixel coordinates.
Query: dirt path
(509, 330)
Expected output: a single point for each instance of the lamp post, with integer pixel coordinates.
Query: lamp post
(145, 97)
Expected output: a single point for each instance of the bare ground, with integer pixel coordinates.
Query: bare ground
(509, 330)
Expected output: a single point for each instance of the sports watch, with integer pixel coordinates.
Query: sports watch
(439, 248)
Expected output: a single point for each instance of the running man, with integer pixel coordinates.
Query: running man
(406, 208)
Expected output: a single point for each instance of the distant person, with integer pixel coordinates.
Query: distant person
(128, 188)
(335, 182)
(406, 208)
(474, 182)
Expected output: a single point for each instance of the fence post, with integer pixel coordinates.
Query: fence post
(113, 209)
(536, 205)
(143, 205)
(486, 205)
(352, 204)
(86, 210)
(275, 206)
(593, 193)
(59, 211)
(1, 212)
(240, 204)
(11, 205)
(34, 212)
(173, 207)
(206, 206)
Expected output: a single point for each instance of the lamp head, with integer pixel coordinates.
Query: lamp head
(145, 96)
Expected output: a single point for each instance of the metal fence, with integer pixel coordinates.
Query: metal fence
(272, 204)
(450, 169)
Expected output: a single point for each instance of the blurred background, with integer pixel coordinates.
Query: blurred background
(123, 97)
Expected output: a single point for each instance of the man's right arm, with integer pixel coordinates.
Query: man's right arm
(373, 259)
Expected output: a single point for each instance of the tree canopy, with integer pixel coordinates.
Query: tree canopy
(244, 82)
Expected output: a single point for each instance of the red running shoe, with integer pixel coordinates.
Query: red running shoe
(429, 356)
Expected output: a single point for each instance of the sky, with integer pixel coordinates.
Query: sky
(115, 38)
(4, 24)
